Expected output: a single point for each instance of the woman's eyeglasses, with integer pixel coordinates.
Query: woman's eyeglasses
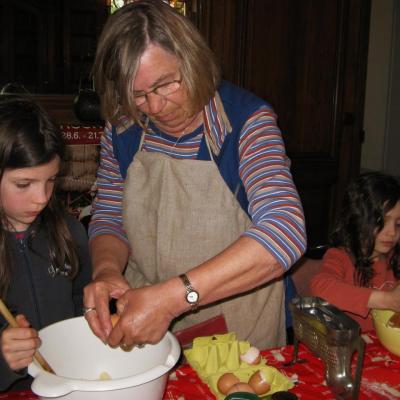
(165, 89)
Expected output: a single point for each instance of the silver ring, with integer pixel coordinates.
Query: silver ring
(88, 310)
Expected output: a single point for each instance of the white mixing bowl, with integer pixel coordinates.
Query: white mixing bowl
(79, 359)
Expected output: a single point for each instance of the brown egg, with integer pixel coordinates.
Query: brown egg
(260, 381)
(114, 319)
(226, 381)
(241, 387)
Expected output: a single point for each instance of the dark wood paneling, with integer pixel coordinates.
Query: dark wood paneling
(23, 44)
(49, 45)
(289, 67)
(308, 60)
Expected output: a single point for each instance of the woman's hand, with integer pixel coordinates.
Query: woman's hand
(145, 315)
(109, 258)
(18, 345)
(109, 284)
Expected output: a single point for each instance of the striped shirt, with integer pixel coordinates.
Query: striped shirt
(274, 205)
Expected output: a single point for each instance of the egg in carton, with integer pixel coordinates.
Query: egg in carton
(213, 357)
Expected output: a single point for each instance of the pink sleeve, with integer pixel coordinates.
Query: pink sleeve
(334, 283)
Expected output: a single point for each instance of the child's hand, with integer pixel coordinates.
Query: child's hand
(385, 299)
(396, 298)
(390, 299)
(18, 345)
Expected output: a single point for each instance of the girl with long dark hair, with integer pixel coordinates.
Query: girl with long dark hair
(44, 260)
(361, 271)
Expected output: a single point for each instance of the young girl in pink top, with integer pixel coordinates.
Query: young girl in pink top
(361, 271)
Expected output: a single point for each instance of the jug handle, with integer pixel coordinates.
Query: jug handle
(360, 348)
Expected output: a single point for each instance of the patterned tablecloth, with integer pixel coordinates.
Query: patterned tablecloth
(380, 376)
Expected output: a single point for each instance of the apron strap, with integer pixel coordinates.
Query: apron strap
(141, 140)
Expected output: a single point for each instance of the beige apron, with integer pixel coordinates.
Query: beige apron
(180, 213)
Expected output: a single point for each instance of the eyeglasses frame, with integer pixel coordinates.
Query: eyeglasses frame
(145, 94)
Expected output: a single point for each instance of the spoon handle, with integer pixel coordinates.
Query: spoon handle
(13, 322)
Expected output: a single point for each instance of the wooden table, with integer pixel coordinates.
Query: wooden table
(380, 376)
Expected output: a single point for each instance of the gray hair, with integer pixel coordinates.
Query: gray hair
(126, 36)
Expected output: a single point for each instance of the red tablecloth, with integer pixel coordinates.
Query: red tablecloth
(380, 376)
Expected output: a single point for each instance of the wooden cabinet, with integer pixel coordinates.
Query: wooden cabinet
(49, 45)
(308, 59)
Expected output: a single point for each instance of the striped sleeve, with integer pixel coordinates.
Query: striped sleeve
(274, 204)
(107, 206)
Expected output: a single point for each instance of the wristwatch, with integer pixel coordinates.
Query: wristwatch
(192, 296)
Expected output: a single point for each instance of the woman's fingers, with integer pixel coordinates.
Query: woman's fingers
(143, 319)
(97, 296)
(97, 299)
(96, 326)
(98, 316)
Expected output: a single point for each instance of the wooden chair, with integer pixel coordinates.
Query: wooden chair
(304, 270)
(302, 274)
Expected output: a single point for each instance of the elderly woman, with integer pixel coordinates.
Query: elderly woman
(196, 213)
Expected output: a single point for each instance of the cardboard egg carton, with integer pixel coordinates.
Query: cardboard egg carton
(213, 356)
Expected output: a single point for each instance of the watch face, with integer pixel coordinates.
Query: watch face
(192, 297)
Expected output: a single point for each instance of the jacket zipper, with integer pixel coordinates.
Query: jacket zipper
(23, 249)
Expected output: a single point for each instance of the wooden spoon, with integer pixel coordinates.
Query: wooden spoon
(394, 320)
(13, 322)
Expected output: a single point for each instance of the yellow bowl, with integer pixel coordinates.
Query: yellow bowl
(388, 336)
